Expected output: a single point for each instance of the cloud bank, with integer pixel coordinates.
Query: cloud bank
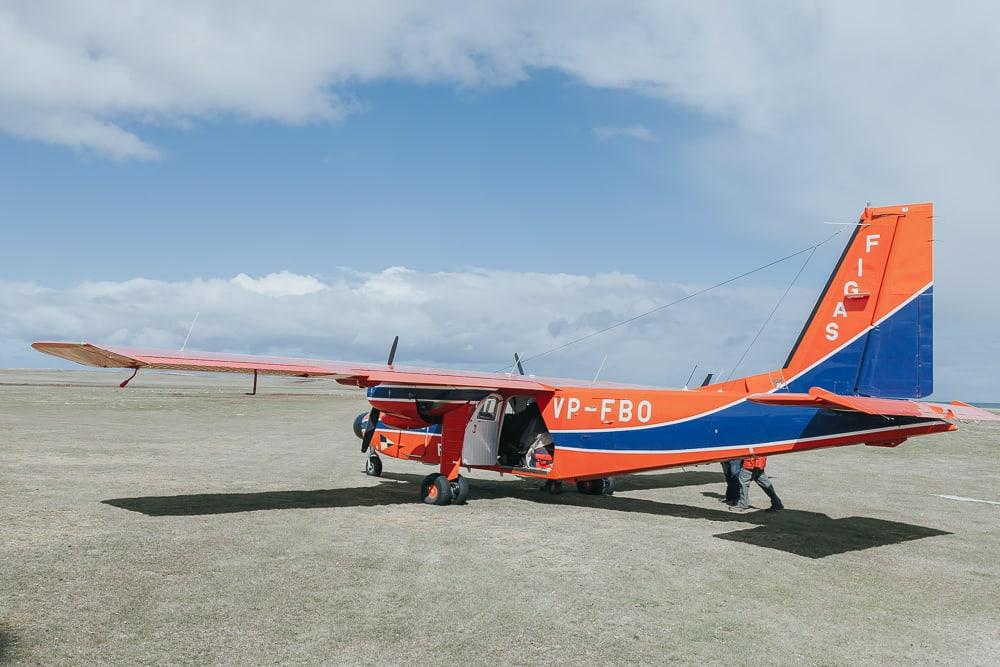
(473, 319)
(91, 75)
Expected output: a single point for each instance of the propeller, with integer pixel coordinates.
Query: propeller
(517, 361)
(373, 416)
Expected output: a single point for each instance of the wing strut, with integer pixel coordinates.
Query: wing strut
(125, 383)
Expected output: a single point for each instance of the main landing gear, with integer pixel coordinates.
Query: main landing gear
(438, 490)
(604, 486)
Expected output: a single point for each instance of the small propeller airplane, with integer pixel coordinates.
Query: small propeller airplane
(863, 357)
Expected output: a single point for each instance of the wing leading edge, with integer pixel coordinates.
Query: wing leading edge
(361, 375)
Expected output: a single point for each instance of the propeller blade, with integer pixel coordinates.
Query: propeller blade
(392, 350)
(373, 416)
(366, 441)
(517, 360)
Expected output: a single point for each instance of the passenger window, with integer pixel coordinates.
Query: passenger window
(489, 409)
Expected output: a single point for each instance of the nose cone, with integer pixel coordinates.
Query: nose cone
(359, 424)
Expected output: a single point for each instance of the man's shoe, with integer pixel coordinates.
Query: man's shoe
(738, 509)
(775, 508)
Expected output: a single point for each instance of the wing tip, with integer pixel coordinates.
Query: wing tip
(85, 353)
(53, 346)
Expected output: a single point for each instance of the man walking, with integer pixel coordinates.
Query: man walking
(753, 471)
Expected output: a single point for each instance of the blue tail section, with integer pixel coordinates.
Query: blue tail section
(894, 359)
(898, 360)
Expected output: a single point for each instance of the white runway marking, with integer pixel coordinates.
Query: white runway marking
(967, 500)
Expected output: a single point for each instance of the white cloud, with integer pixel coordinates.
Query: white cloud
(282, 283)
(474, 319)
(637, 132)
(822, 73)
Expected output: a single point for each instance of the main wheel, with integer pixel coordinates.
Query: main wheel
(436, 489)
(604, 486)
(373, 466)
(459, 491)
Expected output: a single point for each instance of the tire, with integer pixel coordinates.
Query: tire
(373, 466)
(604, 486)
(459, 491)
(607, 486)
(436, 489)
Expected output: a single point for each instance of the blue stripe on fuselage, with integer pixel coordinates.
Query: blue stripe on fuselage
(740, 425)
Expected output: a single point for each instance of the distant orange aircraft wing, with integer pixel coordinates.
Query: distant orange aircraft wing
(890, 407)
(362, 375)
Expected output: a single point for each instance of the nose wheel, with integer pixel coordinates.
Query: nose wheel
(373, 466)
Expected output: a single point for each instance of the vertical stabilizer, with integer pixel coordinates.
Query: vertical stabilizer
(870, 332)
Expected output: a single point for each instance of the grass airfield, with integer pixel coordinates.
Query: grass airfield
(181, 521)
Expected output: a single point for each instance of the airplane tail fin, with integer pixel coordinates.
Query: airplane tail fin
(870, 332)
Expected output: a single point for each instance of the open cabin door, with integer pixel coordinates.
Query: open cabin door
(482, 434)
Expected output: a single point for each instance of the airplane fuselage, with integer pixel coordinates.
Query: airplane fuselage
(598, 432)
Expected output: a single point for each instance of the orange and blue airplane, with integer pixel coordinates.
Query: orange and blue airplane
(854, 376)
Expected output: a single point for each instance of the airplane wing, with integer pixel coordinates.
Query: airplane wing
(890, 407)
(349, 373)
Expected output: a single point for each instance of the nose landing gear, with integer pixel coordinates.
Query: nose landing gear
(373, 465)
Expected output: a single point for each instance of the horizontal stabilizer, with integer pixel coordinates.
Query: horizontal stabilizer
(889, 407)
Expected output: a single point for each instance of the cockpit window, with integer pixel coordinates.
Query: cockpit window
(488, 410)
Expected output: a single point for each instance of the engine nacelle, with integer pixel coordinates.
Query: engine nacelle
(412, 407)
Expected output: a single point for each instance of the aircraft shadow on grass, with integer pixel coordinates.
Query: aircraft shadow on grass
(8, 645)
(807, 534)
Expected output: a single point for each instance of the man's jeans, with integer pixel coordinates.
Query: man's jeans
(731, 470)
(757, 475)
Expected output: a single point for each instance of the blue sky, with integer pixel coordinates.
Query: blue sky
(426, 176)
(539, 171)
